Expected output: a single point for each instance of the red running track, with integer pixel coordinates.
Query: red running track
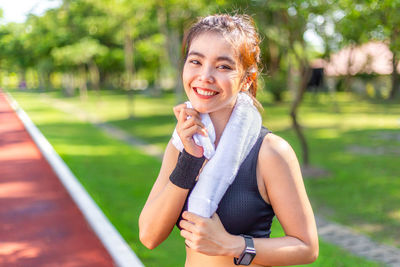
(40, 225)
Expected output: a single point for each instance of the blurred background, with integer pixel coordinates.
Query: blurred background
(329, 85)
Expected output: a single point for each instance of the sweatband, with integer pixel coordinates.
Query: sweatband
(186, 170)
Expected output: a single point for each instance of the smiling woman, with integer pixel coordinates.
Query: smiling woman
(210, 77)
(220, 80)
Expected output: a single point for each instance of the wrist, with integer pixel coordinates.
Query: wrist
(186, 170)
(235, 246)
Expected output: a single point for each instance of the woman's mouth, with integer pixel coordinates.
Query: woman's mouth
(204, 93)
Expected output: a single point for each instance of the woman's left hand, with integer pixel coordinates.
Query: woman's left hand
(208, 236)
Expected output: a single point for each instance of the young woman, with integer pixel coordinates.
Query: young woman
(221, 57)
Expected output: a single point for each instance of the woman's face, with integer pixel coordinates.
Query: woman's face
(211, 74)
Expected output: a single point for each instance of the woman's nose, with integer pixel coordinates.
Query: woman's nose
(206, 75)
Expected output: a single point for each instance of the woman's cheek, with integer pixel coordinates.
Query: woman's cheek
(187, 77)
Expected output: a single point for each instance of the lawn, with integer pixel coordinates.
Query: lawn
(119, 177)
(355, 140)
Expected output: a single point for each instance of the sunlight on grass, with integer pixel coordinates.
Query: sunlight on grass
(362, 190)
(327, 134)
(88, 150)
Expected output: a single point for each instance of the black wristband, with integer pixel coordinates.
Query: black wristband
(186, 170)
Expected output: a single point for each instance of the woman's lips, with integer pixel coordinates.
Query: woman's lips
(204, 93)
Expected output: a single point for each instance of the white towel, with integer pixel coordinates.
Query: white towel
(206, 142)
(239, 136)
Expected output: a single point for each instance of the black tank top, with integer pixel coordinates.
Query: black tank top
(242, 210)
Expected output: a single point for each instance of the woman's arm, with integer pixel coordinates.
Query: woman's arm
(163, 205)
(279, 168)
(166, 200)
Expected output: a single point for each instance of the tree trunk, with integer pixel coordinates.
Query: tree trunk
(128, 49)
(290, 82)
(47, 80)
(274, 58)
(42, 82)
(94, 75)
(69, 84)
(395, 77)
(22, 80)
(82, 82)
(177, 64)
(305, 73)
(347, 78)
(173, 46)
(164, 62)
(129, 66)
(395, 62)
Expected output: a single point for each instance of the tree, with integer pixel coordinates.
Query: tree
(283, 25)
(381, 25)
(81, 55)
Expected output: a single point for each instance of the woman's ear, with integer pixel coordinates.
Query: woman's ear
(246, 84)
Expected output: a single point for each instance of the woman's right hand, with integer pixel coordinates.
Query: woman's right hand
(186, 128)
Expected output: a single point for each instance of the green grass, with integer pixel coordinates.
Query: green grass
(362, 190)
(330, 255)
(119, 178)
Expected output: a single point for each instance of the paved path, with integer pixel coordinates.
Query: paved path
(337, 234)
(356, 243)
(39, 223)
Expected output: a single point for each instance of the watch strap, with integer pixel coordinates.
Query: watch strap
(249, 243)
(248, 251)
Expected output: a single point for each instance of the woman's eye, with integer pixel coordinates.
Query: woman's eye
(224, 67)
(193, 61)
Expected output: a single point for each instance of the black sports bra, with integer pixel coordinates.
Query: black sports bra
(242, 210)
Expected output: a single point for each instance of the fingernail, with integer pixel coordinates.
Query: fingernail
(205, 131)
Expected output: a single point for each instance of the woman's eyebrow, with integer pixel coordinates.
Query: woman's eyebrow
(194, 53)
(221, 58)
(228, 59)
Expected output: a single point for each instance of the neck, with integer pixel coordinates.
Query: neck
(219, 119)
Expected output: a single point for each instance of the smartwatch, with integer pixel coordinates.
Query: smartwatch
(248, 253)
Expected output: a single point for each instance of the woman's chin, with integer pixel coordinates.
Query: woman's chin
(201, 109)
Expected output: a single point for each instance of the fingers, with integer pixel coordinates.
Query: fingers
(185, 126)
(192, 112)
(188, 226)
(188, 238)
(181, 117)
(189, 123)
(186, 234)
(188, 243)
(177, 109)
(189, 111)
(191, 130)
(191, 217)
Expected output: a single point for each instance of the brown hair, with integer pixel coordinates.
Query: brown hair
(241, 32)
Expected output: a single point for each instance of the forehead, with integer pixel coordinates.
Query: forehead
(213, 44)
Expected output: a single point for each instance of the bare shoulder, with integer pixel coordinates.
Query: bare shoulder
(276, 148)
(278, 162)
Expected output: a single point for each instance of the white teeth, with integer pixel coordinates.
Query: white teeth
(204, 92)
